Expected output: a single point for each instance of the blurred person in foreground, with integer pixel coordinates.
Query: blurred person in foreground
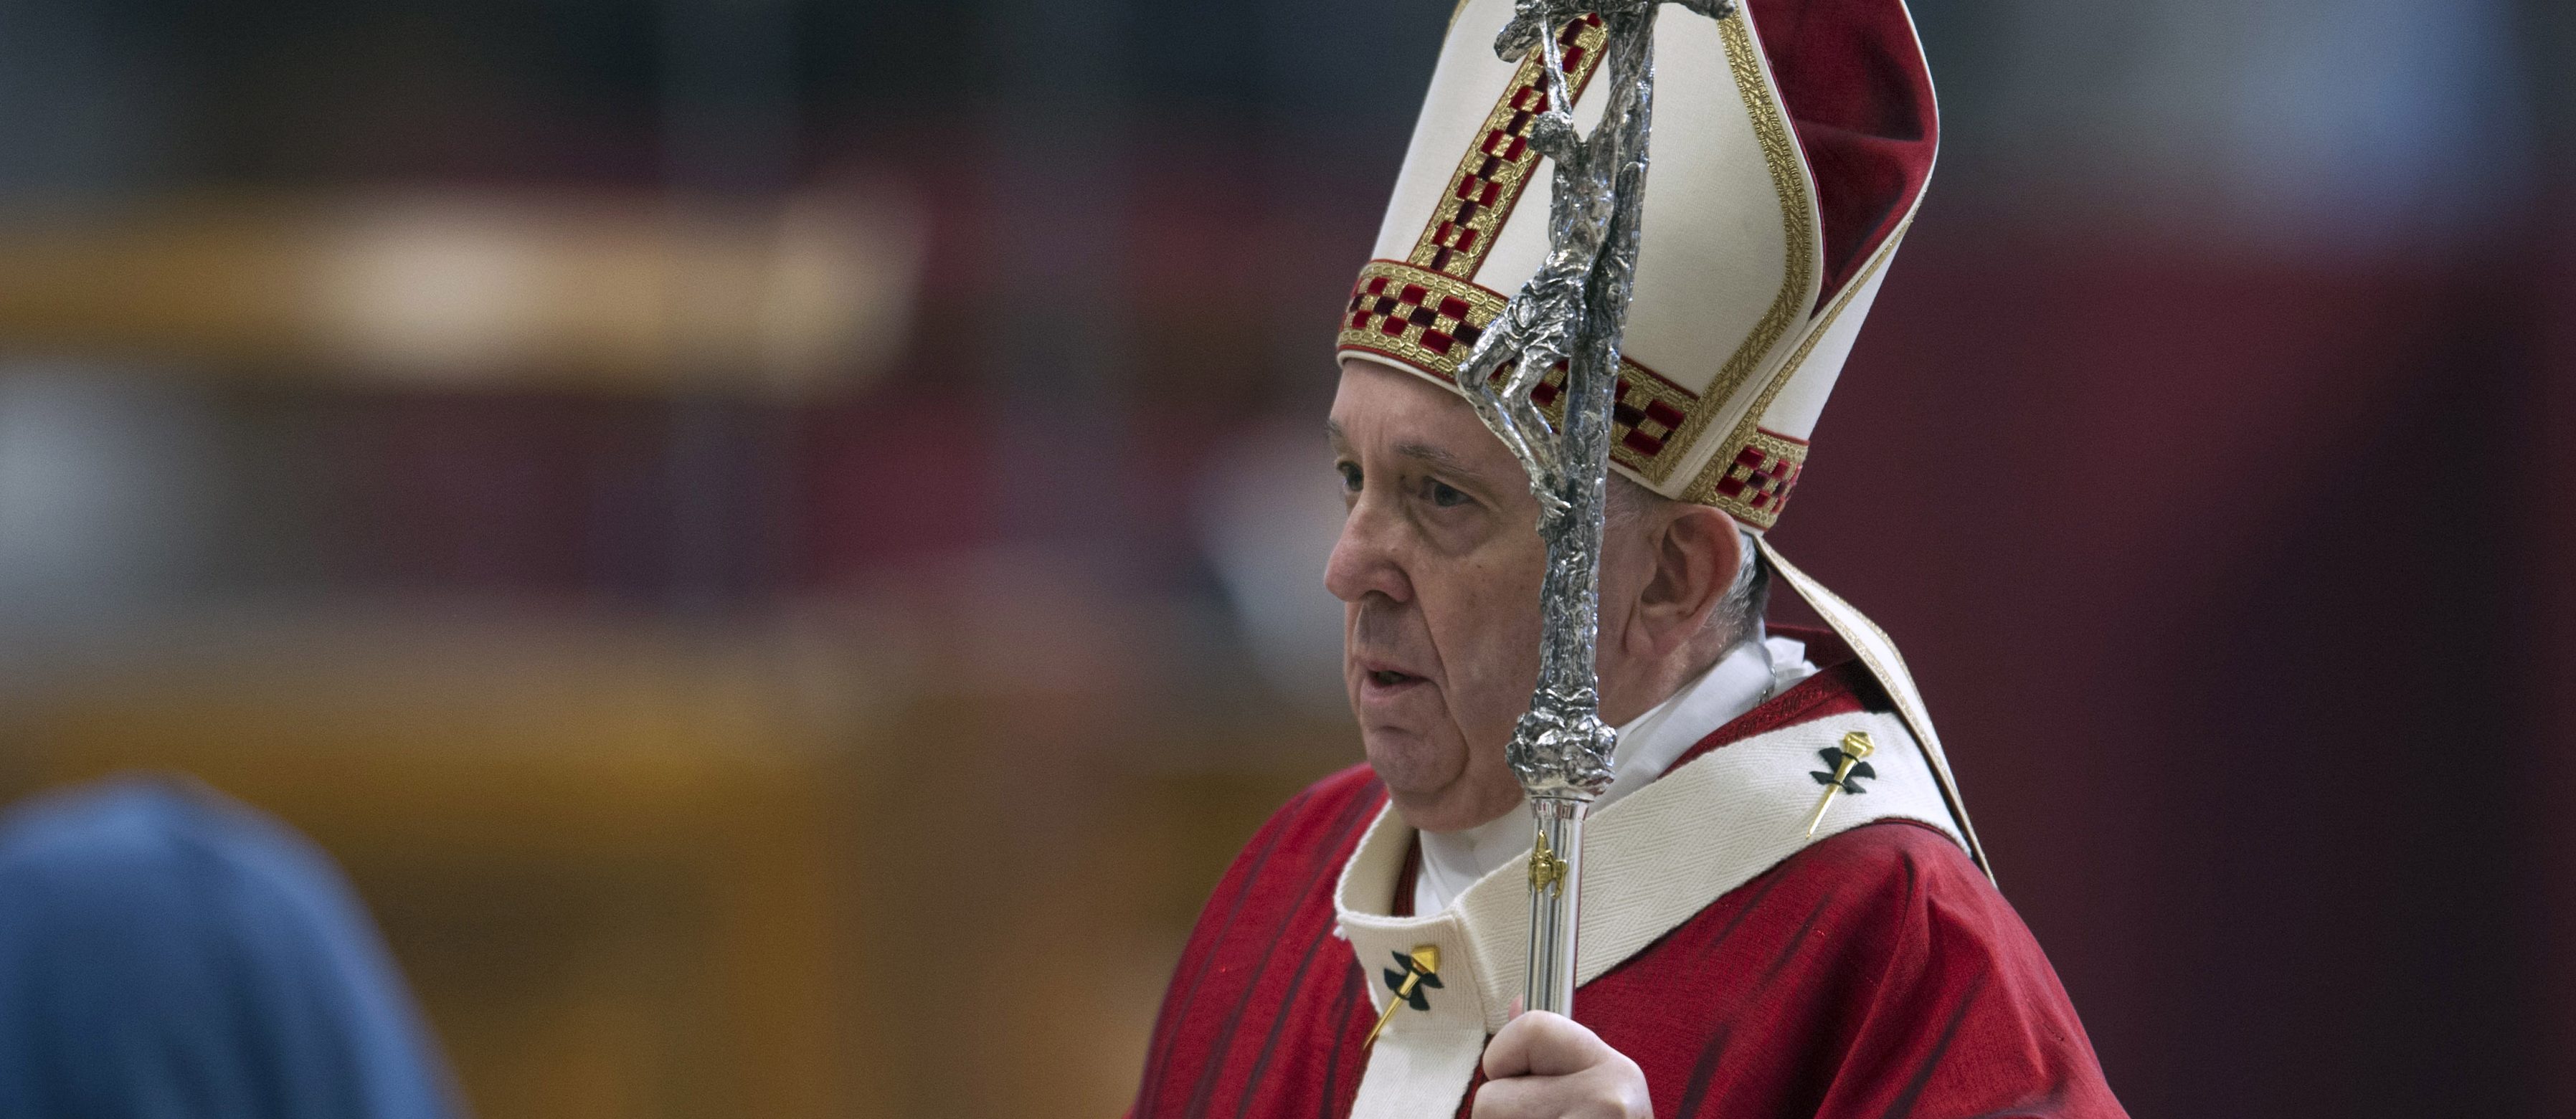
(1734, 958)
(166, 953)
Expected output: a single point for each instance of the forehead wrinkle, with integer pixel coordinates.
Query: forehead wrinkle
(1333, 432)
(1441, 457)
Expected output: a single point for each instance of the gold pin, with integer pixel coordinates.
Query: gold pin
(1546, 869)
(1849, 769)
(1421, 969)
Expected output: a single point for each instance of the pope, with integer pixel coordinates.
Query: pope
(1784, 908)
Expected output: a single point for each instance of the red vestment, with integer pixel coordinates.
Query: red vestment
(1875, 973)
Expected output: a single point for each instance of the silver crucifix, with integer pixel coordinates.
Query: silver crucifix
(1570, 313)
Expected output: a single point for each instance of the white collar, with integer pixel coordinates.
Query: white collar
(1740, 681)
(1650, 862)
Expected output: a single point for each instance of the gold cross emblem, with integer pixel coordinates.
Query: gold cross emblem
(1849, 768)
(1421, 969)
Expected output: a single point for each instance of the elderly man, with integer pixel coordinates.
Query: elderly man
(1784, 911)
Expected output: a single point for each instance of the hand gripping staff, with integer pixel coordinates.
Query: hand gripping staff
(1570, 313)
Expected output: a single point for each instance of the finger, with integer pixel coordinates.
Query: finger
(1516, 1009)
(1527, 1097)
(1539, 1043)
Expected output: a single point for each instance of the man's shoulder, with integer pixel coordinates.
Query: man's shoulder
(1892, 861)
(1879, 882)
(1885, 903)
(1901, 887)
(1880, 953)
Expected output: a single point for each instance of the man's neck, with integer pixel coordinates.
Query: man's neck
(1738, 682)
(1661, 682)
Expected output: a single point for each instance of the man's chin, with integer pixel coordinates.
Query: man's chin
(1414, 767)
(1452, 810)
(1429, 783)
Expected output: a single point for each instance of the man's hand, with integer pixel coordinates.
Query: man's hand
(1546, 1066)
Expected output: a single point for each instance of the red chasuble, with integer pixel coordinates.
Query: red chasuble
(1873, 973)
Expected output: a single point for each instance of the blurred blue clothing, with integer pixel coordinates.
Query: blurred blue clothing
(168, 953)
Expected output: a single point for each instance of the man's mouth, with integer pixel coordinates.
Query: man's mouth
(1380, 678)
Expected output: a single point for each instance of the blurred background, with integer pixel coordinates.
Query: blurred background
(780, 541)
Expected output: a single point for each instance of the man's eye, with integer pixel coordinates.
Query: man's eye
(1350, 476)
(1445, 496)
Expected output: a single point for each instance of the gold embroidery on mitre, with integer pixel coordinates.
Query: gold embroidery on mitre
(1719, 483)
(1644, 414)
(1489, 180)
(1754, 485)
(1431, 322)
(1403, 310)
(1797, 228)
(1422, 318)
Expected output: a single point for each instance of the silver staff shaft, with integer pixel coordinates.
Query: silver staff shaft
(1556, 864)
(1570, 313)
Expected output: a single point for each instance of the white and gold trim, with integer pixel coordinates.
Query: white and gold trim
(1651, 861)
(1877, 652)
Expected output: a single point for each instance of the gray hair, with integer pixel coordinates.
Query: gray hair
(1739, 613)
(1748, 598)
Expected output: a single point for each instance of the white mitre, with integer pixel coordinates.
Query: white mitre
(1780, 182)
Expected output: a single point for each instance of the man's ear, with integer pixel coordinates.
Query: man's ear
(1695, 553)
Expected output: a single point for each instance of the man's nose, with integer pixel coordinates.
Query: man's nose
(1363, 559)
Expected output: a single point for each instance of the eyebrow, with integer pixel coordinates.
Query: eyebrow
(1441, 457)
